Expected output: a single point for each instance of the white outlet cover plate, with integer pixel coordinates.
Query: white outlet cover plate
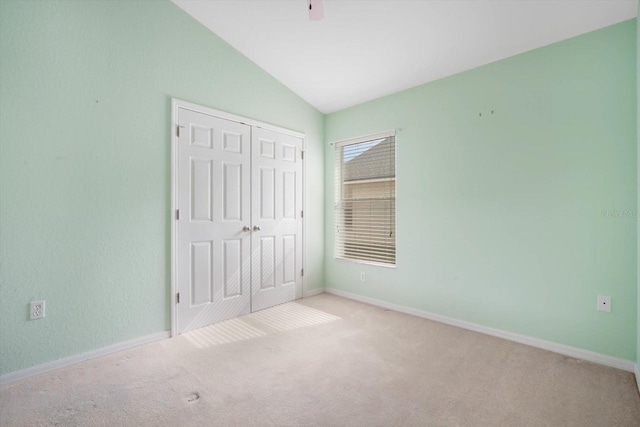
(604, 303)
(36, 310)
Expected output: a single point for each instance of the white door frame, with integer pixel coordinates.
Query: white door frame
(177, 104)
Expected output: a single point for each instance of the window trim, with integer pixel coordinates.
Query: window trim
(365, 138)
(338, 175)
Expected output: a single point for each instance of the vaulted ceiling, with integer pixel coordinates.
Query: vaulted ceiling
(363, 50)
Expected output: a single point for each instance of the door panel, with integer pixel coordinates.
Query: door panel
(277, 212)
(201, 272)
(288, 259)
(289, 195)
(201, 191)
(267, 194)
(232, 190)
(232, 264)
(267, 262)
(213, 252)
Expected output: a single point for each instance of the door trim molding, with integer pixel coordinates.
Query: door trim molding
(176, 104)
(180, 103)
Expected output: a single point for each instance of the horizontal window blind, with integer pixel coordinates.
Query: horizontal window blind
(365, 205)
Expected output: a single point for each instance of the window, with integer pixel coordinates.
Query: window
(365, 199)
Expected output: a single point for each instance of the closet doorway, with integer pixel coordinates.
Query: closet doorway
(237, 226)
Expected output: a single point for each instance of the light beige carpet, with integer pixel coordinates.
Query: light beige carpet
(327, 361)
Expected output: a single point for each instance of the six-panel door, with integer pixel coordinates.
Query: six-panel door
(213, 254)
(239, 235)
(276, 204)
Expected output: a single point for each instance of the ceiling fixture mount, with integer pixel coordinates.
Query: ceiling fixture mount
(316, 10)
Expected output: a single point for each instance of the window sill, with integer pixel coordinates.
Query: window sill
(359, 261)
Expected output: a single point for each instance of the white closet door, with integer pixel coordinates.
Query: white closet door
(213, 198)
(276, 205)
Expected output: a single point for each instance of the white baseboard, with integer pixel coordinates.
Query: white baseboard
(72, 360)
(313, 292)
(578, 353)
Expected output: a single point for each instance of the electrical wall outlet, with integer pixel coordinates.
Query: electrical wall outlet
(362, 276)
(604, 303)
(36, 310)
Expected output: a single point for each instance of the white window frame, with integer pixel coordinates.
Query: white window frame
(338, 193)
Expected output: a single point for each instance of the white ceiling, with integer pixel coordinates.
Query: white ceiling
(363, 50)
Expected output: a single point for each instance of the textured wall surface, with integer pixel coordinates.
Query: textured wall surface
(638, 178)
(512, 219)
(85, 95)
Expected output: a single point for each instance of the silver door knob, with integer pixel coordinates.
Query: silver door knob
(256, 228)
(246, 228)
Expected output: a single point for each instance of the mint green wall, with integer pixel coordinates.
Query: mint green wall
(500, 218)
(638, 177)
(85, 95)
